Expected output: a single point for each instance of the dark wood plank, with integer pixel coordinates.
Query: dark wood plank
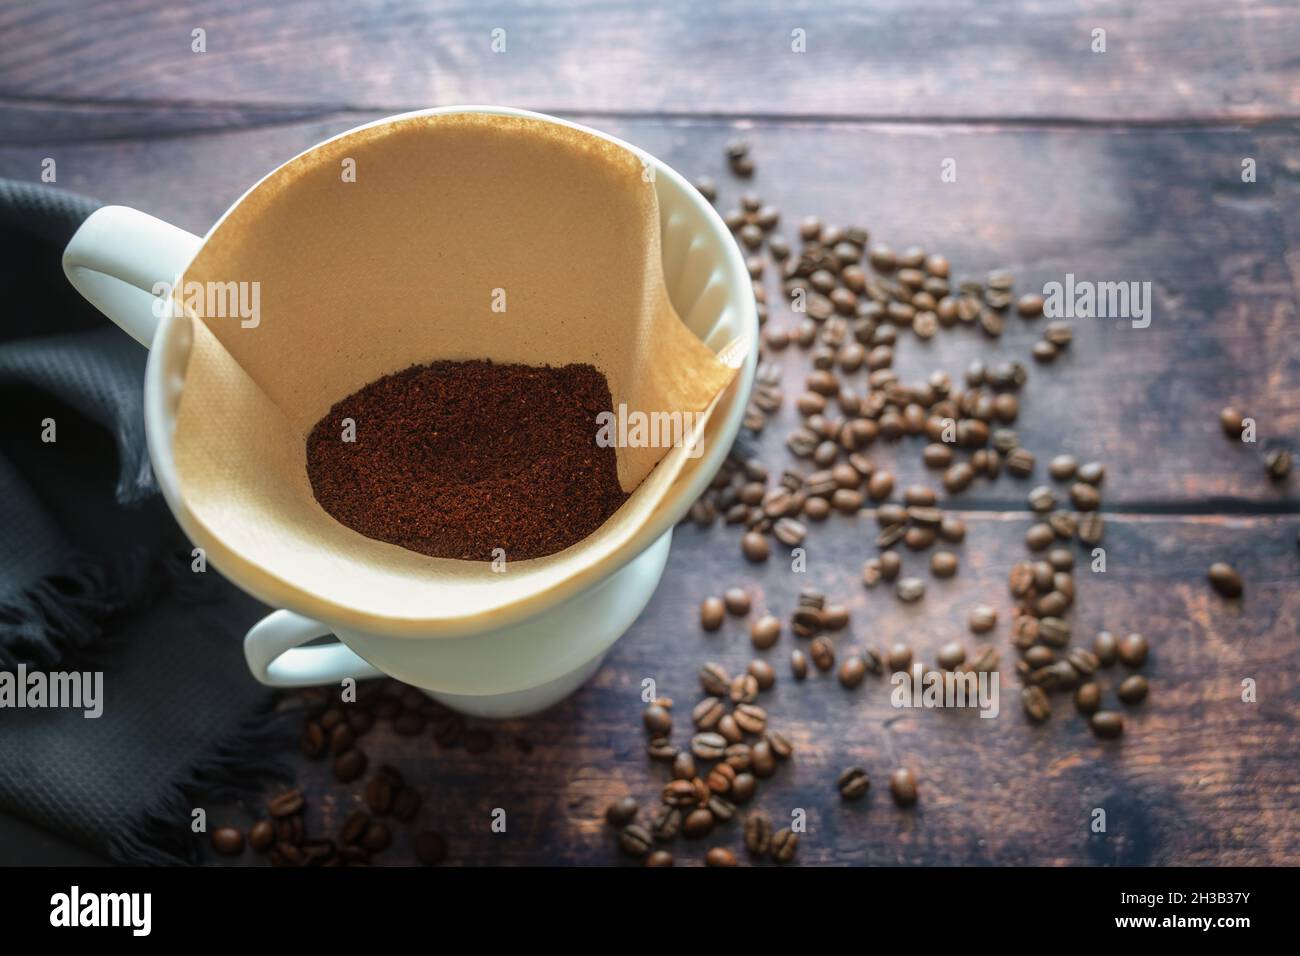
(1199, 777)
(895, 59)
(1165, 206)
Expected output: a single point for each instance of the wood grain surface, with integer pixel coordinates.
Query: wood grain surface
(1117, 166)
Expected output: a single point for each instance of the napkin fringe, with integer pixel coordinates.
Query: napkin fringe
(235, 770)
(63, 612)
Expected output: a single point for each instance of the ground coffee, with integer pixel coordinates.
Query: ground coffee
(458, 459)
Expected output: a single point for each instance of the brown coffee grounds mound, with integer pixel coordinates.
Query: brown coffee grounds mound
(457, 459)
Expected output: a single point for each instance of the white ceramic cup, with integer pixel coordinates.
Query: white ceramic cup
(118, 257)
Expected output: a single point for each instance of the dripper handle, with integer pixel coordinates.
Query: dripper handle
(120, 259)
(274, 653)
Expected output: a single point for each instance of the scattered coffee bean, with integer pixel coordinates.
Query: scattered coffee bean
(1107, 723)
(658, 721)
(982, 619)
(659, 858)
(1087, 698)
(736, 601)
(902, 785)
(758, 833)
(852, 671)
(784, 844)
(1225, 579)
(1106, 648)
(763, 673)
(822, 652)
(798, 664)
(1133, 689)
(719, 856)
(943, 564)
(1132, 650)
(1232, 422)
(712, 612)
(854, 783)
(619, 813)
(910, 590)
(765, 631)
(634, 840)
(1036, 704)
(228, 841)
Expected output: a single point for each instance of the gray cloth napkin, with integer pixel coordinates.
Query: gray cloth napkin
(95, 576)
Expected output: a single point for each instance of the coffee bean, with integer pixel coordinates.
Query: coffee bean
(952, 529)
(744, 689)
(853, 783)
(763, 673)
(879, 485)
(658, 721)
(261, 835)
(1042, 499)
(666, 823)
(982, 619)
(737, 601)
(1232, 422)
(751, 718)
(755, 547)
(1107, 723)
(1084, 496)
(779, 744)
(910, 590)
(902, 785)
(619, 813)
(943, 564)
(1106, 648)
(1091, 528)
(287, 804)
(1133, 689)
(635, 840)
(1277, 463)
(378, 838)
(765, 631)
(712, 612)
(730, 730)
(406, 803)
(822, 652)
(758, 833)
(286, 854)
(784, 845)
(1133, 650)
(708, 712)
(1036, 704)
(313, 739)
(951, 656)
(890, 565)
(1225, 579)
(697, 823)
(798, 664)
(1030, 305)
(1084, 661)
(715, 680)
(379, 795)
(228, 841)
(835, 617)
(762, 760)
(1087, 698)
(852, 671)
(1054, 631)
(721, 778)
(719, 856)
(684, 766)
(1020, 463)
(1063, 467)
(1038, 537)
(899, 657)
(659, 858)
(708, 745)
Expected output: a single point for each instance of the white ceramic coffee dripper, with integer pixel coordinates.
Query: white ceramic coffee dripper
(120, 255)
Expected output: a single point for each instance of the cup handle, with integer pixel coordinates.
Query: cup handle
(272, 649)
(117, 259)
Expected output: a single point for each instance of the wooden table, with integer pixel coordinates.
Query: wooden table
(1122, 165)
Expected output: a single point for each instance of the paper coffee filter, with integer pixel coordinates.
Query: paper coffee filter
(446, 217)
